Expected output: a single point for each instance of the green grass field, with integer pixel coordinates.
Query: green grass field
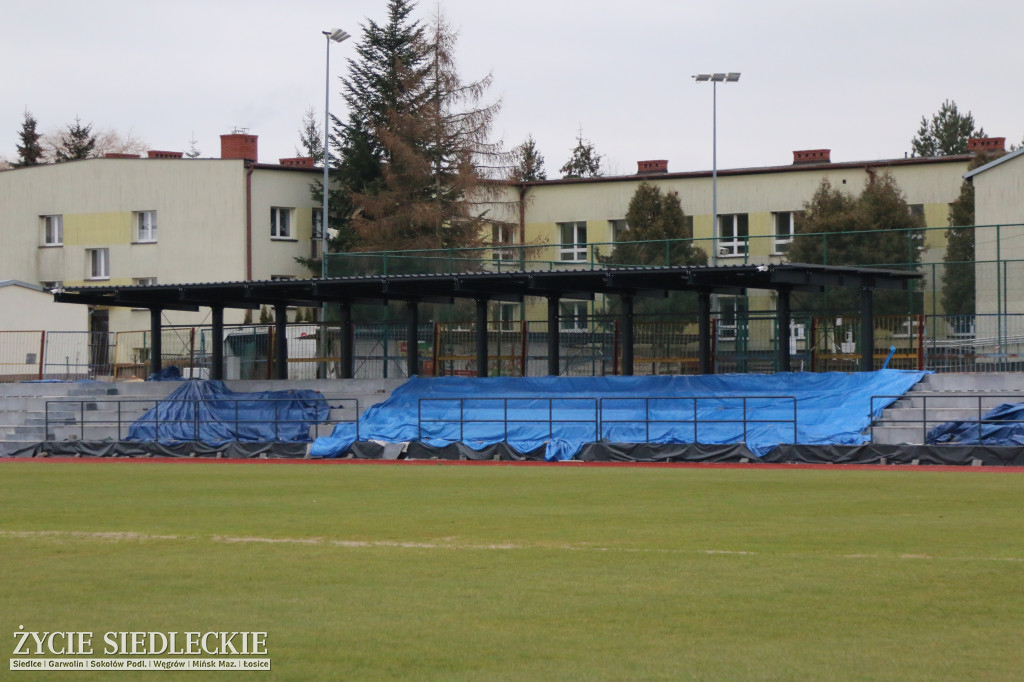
(561, 572)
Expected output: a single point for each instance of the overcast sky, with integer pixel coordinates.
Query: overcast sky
(853, 77)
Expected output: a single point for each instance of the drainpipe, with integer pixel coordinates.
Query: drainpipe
(522, 227)
(250, 167)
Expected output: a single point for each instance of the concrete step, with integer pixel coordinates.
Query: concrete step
(897, 435)
(973, 382)
(937, 401)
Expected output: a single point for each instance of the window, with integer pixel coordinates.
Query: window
(572, 316)
(619, 230)
(917, 210)
(53, 230)
(318, 214)
(281, 278)
(280, 223)
(145, 226)
(501, 235)
(52, 285)
(785, 228)
(733, 231)
(506, 316)
(98, 263)
(732, 315)
(573, 241)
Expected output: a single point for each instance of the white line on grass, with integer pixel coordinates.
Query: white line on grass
(444, 544)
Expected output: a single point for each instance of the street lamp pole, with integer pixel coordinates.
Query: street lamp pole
(337, 35)
(715, 79)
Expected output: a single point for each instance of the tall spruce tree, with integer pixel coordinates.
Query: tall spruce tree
(311, 140)
(875, 228)
(584, 161)
(436, 151)
(658, 232)
(77, 142)
(30, 151)
(958, 285)
(528, 162)
(374, 90)
(946, 133)
(415, 149)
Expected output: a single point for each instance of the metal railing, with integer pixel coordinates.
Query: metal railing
(80, 414)
(536, 414)
(943, 401)
(447, 413)
(712, 404)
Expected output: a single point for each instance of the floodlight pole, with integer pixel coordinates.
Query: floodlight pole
(715, 79)
(338, 36)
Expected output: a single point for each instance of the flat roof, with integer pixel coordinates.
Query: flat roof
(568, 283)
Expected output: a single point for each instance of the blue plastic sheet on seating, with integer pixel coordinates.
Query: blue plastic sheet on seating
(564, 413)
(209, 412)
(1002, 425)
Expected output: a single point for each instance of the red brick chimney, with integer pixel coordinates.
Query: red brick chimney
(299, 162)
(238, 146)
(154, 154)
(812, 156)
(657, 166)
(986, 144)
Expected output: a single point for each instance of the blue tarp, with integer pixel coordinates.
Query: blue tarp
(562, 414)
(1003, 425)
(211, 413)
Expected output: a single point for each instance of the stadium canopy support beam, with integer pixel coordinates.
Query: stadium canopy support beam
(705, 365)
(867, 329)
(156, 350)
(481, 336)
(785, 317)
(345, 331)
(412, 347)
(217, 342)
(281, 341)
(553, 349)
(627, 335)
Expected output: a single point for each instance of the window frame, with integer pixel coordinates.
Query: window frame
(733, 308)
(782, 240)
(617, 230)
(277, 230)
(573, 250)
(46, 223)
(570, 318)
(502, 238)
(98, 263)
(507, 316)
(734, 245)
(145, 225)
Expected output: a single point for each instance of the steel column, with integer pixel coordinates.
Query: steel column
(553, 349)
(705, 365)
(867, 329)
(481, 337)
(785, 318)
(156, 346)
(281, 341)
(412, 339)
(217, 342)
(345, 330)
(627, 335)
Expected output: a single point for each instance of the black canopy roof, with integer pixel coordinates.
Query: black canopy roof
(508, 286)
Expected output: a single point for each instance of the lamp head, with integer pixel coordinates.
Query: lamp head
(337, 35)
